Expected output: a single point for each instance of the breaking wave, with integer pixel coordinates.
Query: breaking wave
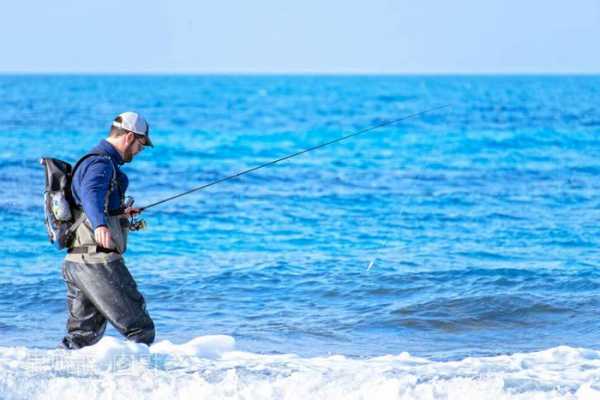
(209, 367)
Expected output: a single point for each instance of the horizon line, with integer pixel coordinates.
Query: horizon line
(290, 73)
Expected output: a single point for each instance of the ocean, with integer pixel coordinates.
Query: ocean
(453, 255)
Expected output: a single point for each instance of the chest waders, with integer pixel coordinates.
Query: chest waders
(100, 288)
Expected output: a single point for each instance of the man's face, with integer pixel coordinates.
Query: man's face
(134, 144)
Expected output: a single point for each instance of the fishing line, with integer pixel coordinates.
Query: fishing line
(247, 171)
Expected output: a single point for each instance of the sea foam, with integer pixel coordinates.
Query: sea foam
(209, 367)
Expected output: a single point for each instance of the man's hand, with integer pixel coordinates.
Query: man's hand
(131, 211)
(103, 237)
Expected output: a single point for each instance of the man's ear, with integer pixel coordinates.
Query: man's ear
(129, 138)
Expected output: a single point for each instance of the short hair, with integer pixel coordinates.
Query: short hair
(116, 132)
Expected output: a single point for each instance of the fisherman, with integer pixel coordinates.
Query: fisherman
(99, 285)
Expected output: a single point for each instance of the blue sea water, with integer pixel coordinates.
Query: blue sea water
(481, 219)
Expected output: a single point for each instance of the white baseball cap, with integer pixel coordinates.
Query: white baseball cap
(133, 122)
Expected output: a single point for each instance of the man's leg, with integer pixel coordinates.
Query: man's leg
(113, 292)
(85, 325)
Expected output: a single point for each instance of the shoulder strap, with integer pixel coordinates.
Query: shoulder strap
(88, 155)
(111, 187)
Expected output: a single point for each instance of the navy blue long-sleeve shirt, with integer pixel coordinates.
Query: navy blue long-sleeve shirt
(92, 180)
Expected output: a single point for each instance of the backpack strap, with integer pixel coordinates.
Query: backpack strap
(76, 224)
(104, 155)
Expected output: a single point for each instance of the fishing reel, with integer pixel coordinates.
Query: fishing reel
(135, 224)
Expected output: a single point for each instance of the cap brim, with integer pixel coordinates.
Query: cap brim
(148, 142)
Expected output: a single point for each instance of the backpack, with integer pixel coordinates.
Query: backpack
(59, 204)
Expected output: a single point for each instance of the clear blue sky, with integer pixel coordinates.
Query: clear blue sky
(302, 36)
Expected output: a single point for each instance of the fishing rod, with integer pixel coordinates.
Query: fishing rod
(247, 171)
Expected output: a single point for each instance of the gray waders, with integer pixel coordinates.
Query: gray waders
(100, 289)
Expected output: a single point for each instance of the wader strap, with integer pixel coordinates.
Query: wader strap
(90, 249)
(112, 186)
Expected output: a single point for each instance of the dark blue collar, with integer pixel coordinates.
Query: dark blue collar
(105, 147)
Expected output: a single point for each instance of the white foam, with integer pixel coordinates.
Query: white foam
(209, 367)
(202, 346)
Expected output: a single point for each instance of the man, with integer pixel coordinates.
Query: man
(99, 285)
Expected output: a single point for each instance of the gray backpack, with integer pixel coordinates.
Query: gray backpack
(59, 204)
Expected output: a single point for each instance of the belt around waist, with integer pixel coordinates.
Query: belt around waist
(90, 249)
